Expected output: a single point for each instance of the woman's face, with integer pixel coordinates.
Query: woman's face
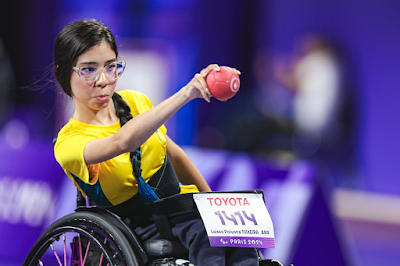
(97, 95)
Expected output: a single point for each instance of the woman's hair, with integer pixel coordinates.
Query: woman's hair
(122, 109)
(75, 39)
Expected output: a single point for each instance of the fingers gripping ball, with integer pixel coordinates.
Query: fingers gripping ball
(223, 84)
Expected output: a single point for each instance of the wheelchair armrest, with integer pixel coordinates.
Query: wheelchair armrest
(162, 248)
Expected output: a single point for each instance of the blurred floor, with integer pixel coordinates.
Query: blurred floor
(375, 243)
(370, 225)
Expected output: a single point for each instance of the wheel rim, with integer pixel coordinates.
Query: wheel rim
(56, 248)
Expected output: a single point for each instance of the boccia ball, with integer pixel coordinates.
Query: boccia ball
(223, 84)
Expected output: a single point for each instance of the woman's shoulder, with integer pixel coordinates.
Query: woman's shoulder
(135, 100)
(75, 128)
(131, 95)
(66, 128)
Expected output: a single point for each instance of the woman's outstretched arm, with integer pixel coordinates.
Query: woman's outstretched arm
(135, 132)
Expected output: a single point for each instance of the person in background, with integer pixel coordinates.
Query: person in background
(323, 104)
(314, 74)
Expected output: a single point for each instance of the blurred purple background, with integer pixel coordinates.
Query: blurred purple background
(332, 188)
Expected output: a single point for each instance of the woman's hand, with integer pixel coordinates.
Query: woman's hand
(197, 87)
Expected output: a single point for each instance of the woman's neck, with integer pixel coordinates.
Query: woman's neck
(103, 117)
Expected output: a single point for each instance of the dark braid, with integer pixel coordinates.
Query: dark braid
(122, 108)
(124, 115)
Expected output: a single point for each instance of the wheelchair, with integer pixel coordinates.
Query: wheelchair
(96, 236)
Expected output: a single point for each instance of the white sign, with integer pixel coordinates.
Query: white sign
(236, 219)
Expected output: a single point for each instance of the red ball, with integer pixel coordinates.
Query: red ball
(223, 84)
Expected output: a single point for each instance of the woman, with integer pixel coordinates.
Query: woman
(114, 141)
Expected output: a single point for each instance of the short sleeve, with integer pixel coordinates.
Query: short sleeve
(69, 153)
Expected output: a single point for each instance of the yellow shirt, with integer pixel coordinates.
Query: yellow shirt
(110, 182)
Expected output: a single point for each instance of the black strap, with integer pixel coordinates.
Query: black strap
(161, 209)
(172, 204)
(164, 182)
(132, 209)
(160, 219)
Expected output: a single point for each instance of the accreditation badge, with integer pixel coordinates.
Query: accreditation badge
(236, 219)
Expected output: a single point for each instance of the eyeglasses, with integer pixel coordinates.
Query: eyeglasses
(92, 73)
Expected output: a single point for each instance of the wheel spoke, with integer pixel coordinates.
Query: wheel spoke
(87, 250)
(101, 259)
(80, 249)
(55, 254)
(65, 251)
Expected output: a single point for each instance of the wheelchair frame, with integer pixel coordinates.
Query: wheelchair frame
(115, 240)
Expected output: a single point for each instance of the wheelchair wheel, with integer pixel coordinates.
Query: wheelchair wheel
(81, 238)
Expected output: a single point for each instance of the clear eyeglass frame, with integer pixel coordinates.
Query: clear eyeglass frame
(91, 73)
